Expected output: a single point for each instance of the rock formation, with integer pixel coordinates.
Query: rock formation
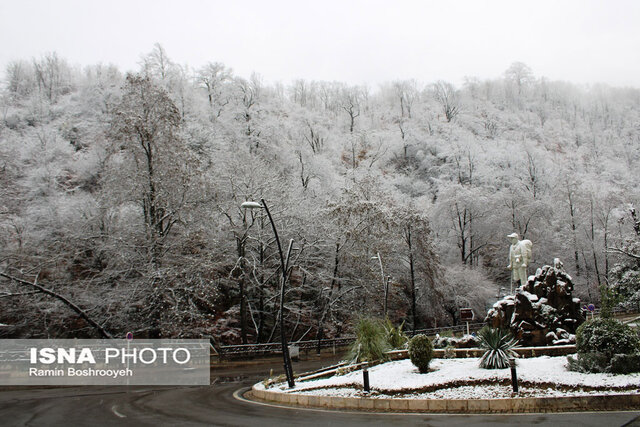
(542, 312)
(466, 341)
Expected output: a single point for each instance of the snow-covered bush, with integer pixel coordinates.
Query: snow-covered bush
(626, 283)
(606, 345)
(608, 336)
(499, 345)
(371, 341)
(589, 362)
(625, 275)
(450, 352)
(421, 352)
(625, 363)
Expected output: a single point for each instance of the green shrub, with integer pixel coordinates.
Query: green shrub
(625, 363)
(421, 352)
(607, 336)
(609, 298)
(371, 341)
(499, 347)
(396, 338)
(589, 363)
(449, 352)
(606, 345)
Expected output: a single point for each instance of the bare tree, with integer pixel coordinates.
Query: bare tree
(520, 74)
(249, 95)
(147, 122)
(351, 99)
(212, 77)
(157, 63)
(53, 76)
(447, 96)
(406, 92)
(314, 139)
(300, 92)
(21, 78)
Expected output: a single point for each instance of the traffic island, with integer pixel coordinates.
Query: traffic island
(457, 386)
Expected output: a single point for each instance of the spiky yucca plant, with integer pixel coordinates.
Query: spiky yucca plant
(395, 336)
(499, 347)
(371, 341)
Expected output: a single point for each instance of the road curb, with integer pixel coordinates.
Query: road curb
(608, 402)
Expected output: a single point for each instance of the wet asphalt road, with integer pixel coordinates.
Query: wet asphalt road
(216, 405)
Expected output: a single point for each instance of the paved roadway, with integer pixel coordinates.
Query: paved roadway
(217, 405)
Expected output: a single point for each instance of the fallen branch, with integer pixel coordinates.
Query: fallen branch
(7, 295)
(70, 304)
(620, 251)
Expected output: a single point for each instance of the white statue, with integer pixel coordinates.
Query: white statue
(519, 258)
(558, 265)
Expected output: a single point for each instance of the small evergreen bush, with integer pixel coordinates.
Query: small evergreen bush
(499, 347)
(607, 336)
(625, 363)
(606, 345)
(371, 341)
(421, 352)
(589, 362)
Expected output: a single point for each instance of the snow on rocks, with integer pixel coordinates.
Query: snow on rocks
(543, 305)
(466, 341)
(532, 297)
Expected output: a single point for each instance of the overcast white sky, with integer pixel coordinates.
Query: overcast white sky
(352, 41)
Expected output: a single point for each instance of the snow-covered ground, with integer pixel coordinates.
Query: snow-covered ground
(463, 379)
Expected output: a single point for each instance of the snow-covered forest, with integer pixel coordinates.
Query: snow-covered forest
(122, 193)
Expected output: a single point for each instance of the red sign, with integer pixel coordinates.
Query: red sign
(466, 314)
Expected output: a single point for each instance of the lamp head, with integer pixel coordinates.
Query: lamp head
(251, 205)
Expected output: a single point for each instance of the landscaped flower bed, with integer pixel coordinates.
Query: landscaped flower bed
(462, 379)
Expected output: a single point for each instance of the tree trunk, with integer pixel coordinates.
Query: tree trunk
(327, 304)
(414, 313)
(593, 246)
(243, 312)
(573, 231)
(240, 245)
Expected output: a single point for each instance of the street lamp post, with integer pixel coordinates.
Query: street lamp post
(385, 283)
(386, 294)
(288, 370)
